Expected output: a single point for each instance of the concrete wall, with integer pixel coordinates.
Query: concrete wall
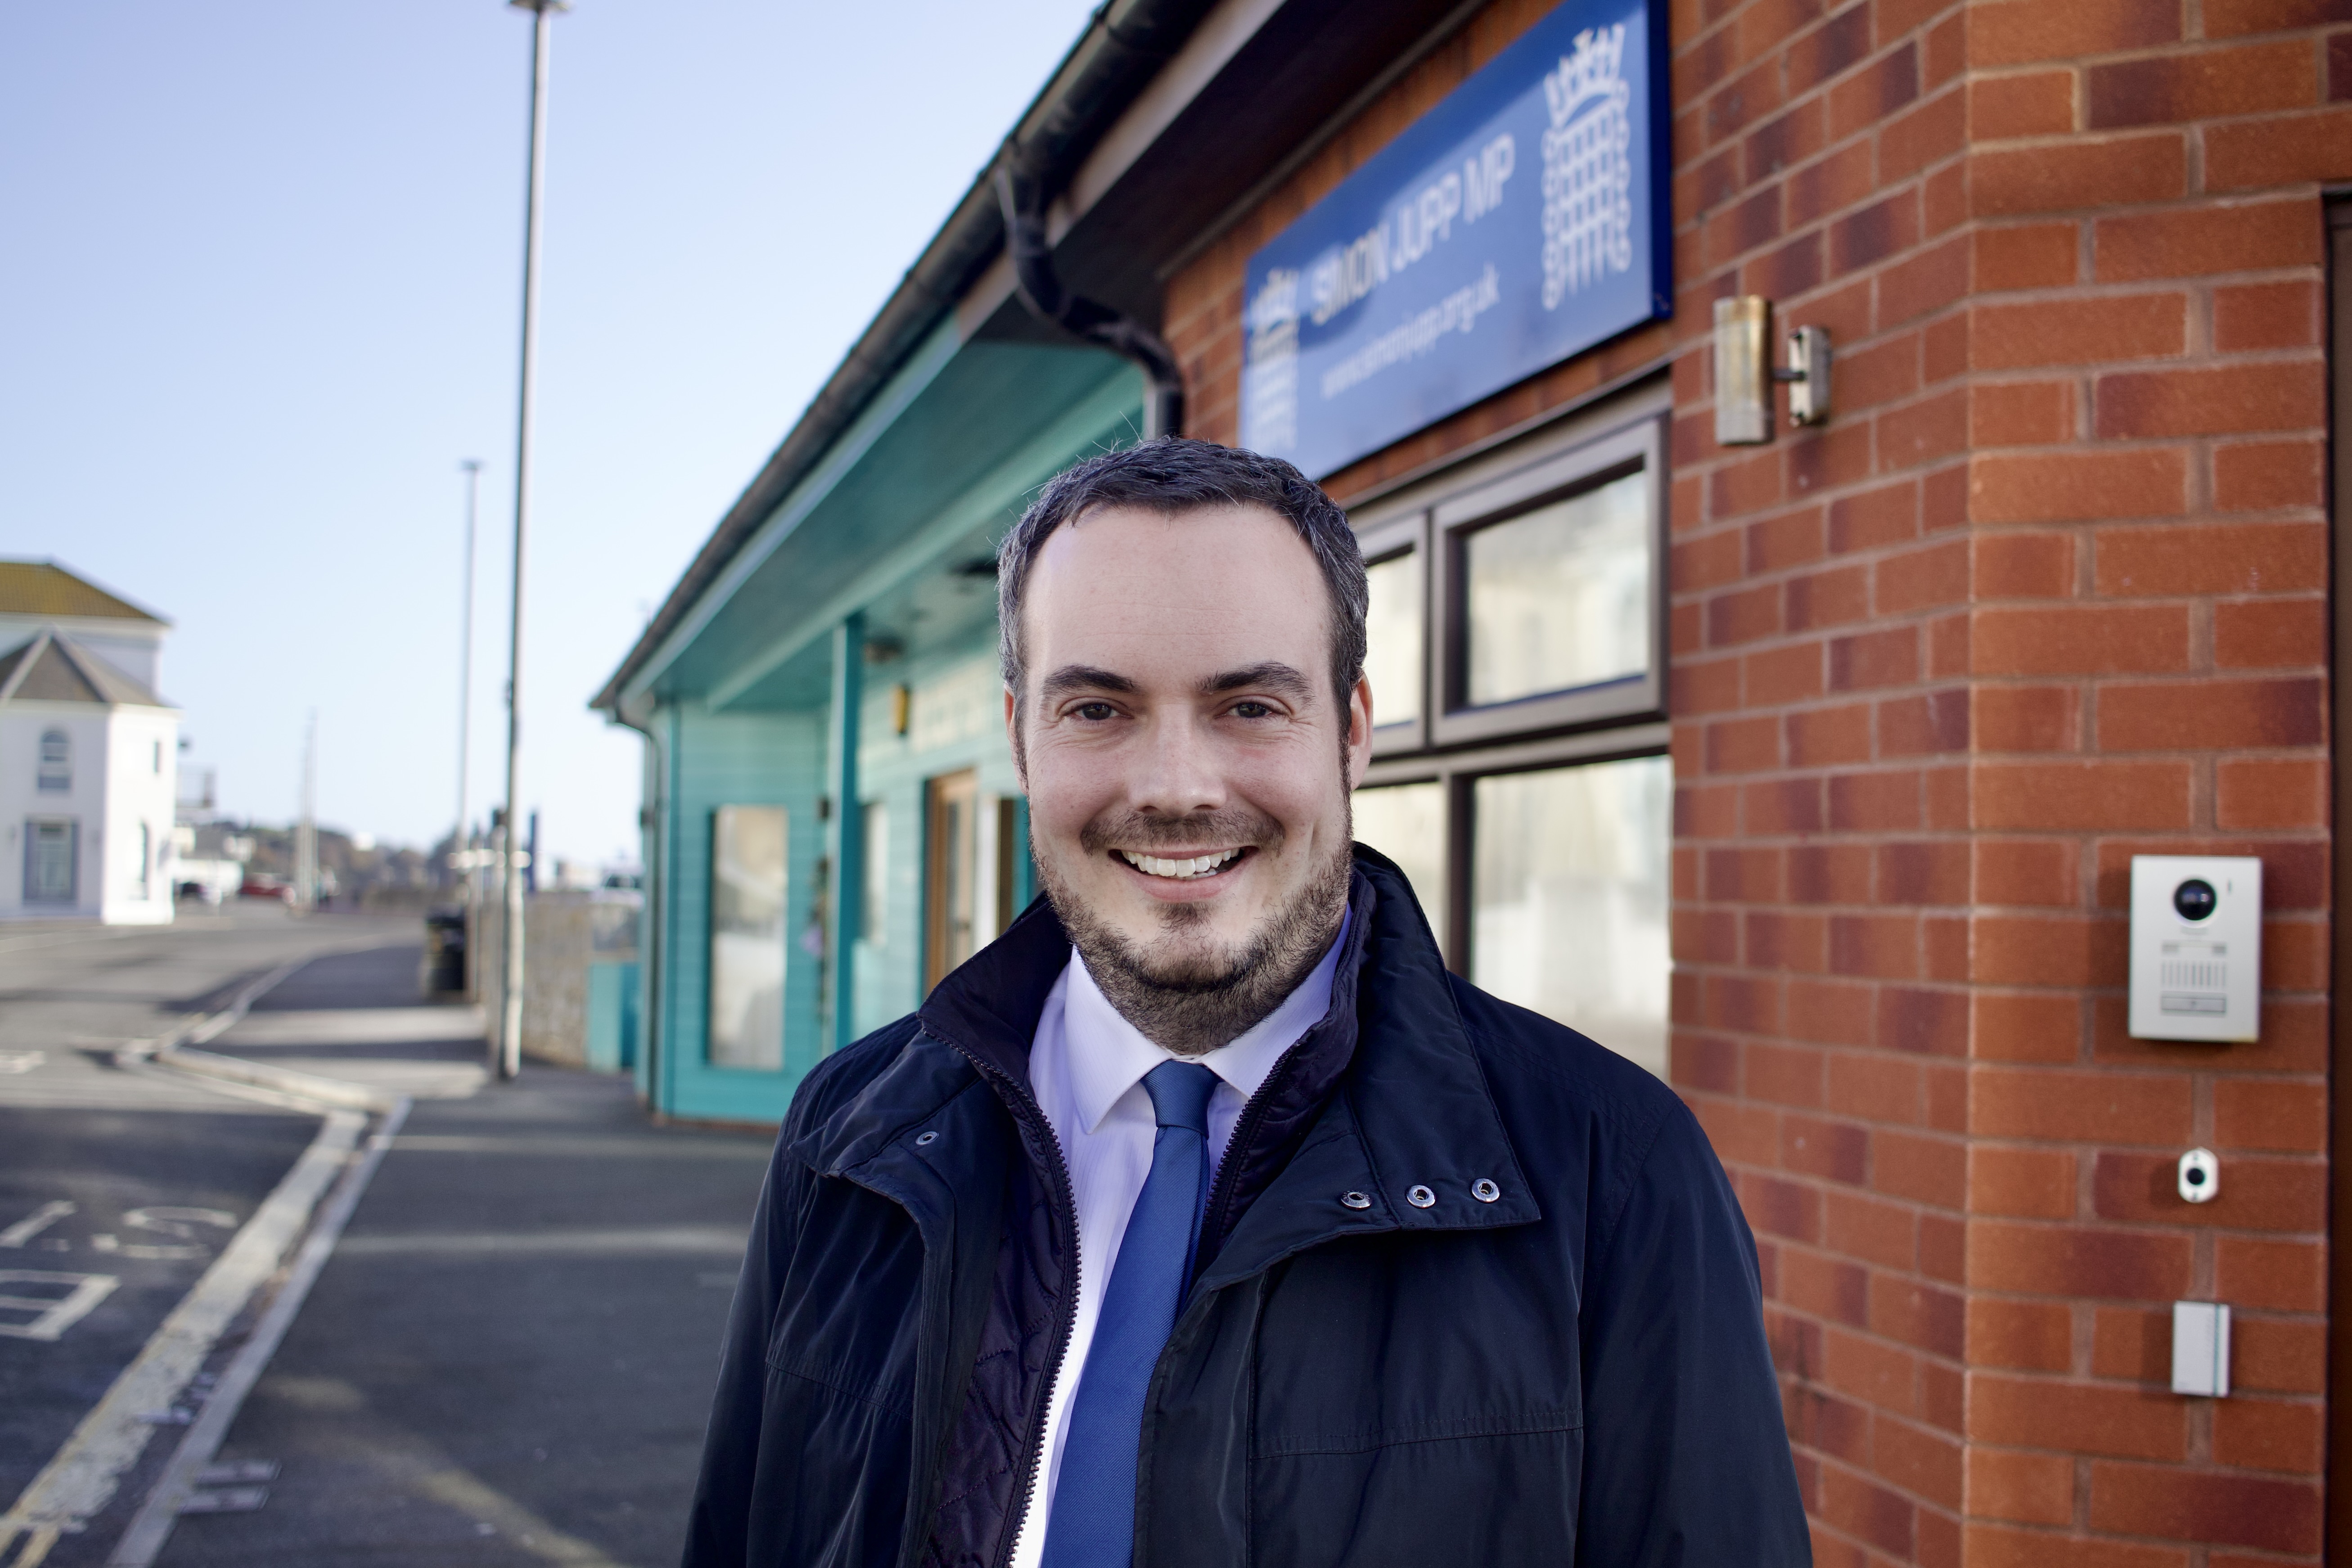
(564, 934)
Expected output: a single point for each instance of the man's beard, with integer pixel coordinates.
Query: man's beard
(1206, 994)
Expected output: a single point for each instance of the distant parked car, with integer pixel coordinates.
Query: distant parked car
(262, 885)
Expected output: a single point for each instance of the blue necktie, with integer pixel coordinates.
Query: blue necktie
(1092, 1524)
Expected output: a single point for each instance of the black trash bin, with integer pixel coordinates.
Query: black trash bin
(443, 971)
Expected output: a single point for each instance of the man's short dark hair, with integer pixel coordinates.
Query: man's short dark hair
(1172, 476)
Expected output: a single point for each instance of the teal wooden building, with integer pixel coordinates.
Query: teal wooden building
(831, 817)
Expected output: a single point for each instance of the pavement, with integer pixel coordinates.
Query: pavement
(509, 1353)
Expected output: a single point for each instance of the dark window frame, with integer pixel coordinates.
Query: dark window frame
(1639, 447)
(1456, 745)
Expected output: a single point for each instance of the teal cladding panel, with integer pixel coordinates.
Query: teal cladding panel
(945, 460)
(957, 723)
(762, 759)
(612, 1016)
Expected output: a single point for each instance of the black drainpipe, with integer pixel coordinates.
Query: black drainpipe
(1023, 200)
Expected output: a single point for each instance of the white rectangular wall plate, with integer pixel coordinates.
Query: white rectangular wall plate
(2200, 1349)
(2196, 947)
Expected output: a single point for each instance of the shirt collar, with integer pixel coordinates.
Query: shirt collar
(1107, 1056)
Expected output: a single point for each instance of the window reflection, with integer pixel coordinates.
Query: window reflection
(1407, 824)
(952, 874)
(747, 936)
(1559, 597)
(1392, 632)
(1569, 898)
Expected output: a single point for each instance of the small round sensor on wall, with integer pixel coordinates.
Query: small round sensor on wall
(2201, 1176)
(2195, 898)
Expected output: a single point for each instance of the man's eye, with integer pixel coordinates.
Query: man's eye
(1094, 712)
(1252, 711)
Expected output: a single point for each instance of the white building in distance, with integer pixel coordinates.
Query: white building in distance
(89, 753)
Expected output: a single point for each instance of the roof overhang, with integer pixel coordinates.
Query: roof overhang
(1161, 127)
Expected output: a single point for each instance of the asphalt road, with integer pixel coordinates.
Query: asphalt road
(117, 1190)
(509, 1356)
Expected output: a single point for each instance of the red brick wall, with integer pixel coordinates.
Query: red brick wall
(2047, 592)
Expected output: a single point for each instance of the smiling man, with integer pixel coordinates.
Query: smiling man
(1204, 1218)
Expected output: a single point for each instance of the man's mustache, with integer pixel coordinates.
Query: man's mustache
(1145, 830)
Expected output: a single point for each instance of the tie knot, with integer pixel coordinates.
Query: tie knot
(1180, 1095)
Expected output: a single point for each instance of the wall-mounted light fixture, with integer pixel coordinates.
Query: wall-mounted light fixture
(1744, 372)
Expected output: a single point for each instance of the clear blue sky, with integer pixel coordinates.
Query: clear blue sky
(260, 295)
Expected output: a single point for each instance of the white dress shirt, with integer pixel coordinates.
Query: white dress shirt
(1086, 1066)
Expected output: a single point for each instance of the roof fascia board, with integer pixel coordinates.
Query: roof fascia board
(1347, 114)
(944, 344)
(122, 629)
(986, 296)
(15, 707)
(1114, 397)
(922, 290)
(1218, 37)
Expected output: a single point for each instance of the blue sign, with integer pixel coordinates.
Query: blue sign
(1522, 220)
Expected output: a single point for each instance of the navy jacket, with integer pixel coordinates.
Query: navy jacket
(1471, 1290)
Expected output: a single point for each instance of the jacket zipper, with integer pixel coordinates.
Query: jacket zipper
(1066, 1311)
(1221, 1190)
(1025, 1105)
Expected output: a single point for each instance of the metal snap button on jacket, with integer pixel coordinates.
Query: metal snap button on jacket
(1421, 1198)
(1485, 1191)
(1355, 1200)
(923, 1138)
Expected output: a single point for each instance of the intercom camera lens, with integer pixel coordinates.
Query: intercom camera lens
(2194, 1175)
(2194, 898)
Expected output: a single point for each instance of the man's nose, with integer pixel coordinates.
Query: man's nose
(1176, 772)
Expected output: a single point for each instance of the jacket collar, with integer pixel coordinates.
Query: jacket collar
(1412, 1119)
(1413, 1115)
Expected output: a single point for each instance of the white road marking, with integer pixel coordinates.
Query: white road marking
(21, 1061)
(33, 1223)
(52, 1315)
(151, 1525)
(176, 1221)
(168, 1252)
(80, 1479)
(494, 1512)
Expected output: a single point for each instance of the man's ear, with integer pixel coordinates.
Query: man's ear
(1013, 738)
(1360, 729)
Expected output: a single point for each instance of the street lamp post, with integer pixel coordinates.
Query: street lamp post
(460, 855)
(508, 1044)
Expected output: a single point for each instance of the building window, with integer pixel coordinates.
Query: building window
(1394, 640)
(1567, 897)
(1407, 823)
(1520, 777)
(747, 936)
(51, 857)
(57, 761)
(1557, 597)
(950, 883)
(140, 882)
(971, 863)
